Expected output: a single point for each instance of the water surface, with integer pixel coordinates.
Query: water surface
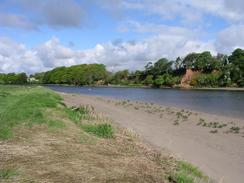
(227, 103)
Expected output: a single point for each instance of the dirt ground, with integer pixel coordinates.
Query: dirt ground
(69, 155)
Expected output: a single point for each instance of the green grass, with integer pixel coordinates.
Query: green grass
(186, 173)
(30, 106)
(77, 114)
(7, 173)
(100, 130)
(25, 105)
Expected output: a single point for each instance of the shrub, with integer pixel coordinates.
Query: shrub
(205, 80)
(166, 80)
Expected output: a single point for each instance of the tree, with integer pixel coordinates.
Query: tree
(201, 61)
(149, 80)
(21, 78)
(237, 66)
(190, 60)
(162, 66)
(84, 74)
(12, 78)
(120, 77)
(148, 68)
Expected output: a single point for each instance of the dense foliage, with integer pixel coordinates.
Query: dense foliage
(12, 78)
(219, 71)
(211, 71)
(75, 75)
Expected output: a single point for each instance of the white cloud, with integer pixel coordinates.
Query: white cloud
(145, 27)
(230, 39)
(16, 57)
(54, 54)
(188, 11)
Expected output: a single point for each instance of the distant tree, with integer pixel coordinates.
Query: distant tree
(148, 68)
(162, 66)
(84, 74)
(178, 63)
(165, 80)
(201, 61)
(2, 78)
(236, 60)
(21, 78)
(178, 67)
(190, 60)
(120, 77)
(12, 78)
(149, 80)
(221, 70)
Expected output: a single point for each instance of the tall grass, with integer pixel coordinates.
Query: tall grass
(186, 173)
(100, 130)
(7, 173)
(77, 114)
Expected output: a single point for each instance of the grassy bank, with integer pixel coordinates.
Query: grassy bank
(42, 140)
(25, 105)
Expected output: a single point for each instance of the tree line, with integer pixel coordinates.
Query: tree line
(210, 71)
(13, 78)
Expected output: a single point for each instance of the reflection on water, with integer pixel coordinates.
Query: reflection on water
(227, 103)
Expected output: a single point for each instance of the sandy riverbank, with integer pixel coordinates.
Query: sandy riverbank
(213, 143)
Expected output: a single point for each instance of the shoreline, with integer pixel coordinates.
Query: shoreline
(217, 150)
(148, 87)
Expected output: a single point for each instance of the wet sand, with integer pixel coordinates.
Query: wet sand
(213, 143)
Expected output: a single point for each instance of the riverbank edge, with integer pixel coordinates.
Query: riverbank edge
(149, 87)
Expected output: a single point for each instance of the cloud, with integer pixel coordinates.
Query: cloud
(230, 39)
(16, 21)
(190, 12)
(54, 54)
(65, 13)
(15, 57)
(145, 27)
(53, 13)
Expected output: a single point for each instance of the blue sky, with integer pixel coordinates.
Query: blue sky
(37, 35)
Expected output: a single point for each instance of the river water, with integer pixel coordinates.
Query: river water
(227, 103)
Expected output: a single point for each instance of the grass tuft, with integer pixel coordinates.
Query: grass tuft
(185, 173)
(76, 114)
(100, 130)
(7, 173)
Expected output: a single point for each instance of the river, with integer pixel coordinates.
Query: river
(226, 103)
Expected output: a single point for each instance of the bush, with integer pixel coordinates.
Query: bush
(149, 80)
(166, 80)
(205, 80)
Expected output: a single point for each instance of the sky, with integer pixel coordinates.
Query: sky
(38, 35)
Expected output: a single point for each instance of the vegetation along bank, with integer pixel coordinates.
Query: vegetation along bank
(194, 70)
